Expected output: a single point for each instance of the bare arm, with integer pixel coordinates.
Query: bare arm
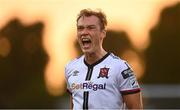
(71, 102)
(133, 101)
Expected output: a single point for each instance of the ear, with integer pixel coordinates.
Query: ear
(104, 33)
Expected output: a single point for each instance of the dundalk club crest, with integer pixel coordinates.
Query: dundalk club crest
(103, 72)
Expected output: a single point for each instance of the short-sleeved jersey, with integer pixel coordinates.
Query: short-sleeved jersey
(100, 85)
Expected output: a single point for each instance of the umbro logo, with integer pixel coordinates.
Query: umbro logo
(75, 73)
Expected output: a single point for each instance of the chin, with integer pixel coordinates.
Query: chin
(87, 51)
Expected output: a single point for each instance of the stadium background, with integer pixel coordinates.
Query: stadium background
(38, 37)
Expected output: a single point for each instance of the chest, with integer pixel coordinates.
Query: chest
(92, 78)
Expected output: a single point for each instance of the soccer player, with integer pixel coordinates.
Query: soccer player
(99, 79)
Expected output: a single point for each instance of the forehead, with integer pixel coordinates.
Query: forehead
(88, 20)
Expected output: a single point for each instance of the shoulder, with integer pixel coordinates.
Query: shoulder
(119, 63)
(71, 65)
(117, 60)
(75, 61)
(122, 66)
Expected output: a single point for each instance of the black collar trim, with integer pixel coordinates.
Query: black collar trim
(99, 61)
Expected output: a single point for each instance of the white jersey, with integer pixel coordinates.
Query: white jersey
(100, 85)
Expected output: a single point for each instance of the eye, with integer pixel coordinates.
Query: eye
(91, 27)
(79, 28)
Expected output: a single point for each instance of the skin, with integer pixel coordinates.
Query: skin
(133, 101)
(89, 27)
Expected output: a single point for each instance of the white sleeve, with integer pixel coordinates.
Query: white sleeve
(66, 77)
(127, 80)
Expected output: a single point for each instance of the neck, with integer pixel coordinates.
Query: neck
(94, 56)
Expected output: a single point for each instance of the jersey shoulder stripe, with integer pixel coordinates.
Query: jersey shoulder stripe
(124, 68)
(117, 59)
(114, 56)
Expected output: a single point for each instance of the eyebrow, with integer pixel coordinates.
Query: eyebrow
(87, 25)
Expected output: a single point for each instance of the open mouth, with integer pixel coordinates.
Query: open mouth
(86, 42)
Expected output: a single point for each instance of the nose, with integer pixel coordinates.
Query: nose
(84, 32)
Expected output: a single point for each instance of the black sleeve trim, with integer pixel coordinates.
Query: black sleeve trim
(126, 92)
(69, 92)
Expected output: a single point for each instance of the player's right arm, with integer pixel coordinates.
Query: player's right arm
(71, 102)
(68, 87)
(68, 71)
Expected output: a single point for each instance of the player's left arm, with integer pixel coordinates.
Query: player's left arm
(133, 101)
(129, 88)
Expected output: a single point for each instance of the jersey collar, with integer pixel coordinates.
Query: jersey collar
(97, 62)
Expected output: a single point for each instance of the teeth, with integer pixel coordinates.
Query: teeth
(85, 39)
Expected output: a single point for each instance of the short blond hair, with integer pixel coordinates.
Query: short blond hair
(97, 13)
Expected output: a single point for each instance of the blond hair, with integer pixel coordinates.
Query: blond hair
(98, 13)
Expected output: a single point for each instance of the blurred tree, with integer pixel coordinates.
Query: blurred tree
(22, 69)
(163, 54)
(117, 42)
